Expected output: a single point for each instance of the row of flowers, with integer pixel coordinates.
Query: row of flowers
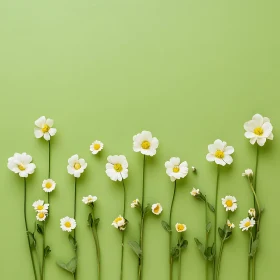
(258, 130)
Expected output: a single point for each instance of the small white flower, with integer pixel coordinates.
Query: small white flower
(230, 225)
(145, 143)
(117, 168)
(180, 227)
(229, 203)
(248, 173)
(258, 130)
(220, 153)
(89, 199)
(41, 216)
(135, 203)
(193, 169)
(48, 185)
(96, 147)
(247, 223)
(252, 212)
(21, 164)
(176, 170)
(156, 208)
(119, 223)
(44, 128)
(67, 224)
(40, 206)
(194, 192)
(76, 166)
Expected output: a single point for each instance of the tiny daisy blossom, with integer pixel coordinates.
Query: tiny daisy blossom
(44, 128)
(21, 164)
(230, 225)
(89, 199)
(258, 130)
(176, 170)
(194, 192)
(135, 203)
(40, 206)
(119, 223)
(41, 216)
(220, 153)
(67, 224)
(96, 147)
(252, 212)
(156, 208)
(248, 173)
(247, 223)
(48, 185)
(229, 203)
(180, 227)
(117, 168)
(193, 169)
(145, 143)
(76, 166)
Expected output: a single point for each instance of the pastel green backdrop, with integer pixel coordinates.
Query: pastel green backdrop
(189, 71)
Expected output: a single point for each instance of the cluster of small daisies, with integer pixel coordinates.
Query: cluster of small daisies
(41, 209)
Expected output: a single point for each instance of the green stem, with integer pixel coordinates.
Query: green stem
(219, 260)
(37, 256)
(256, 172)
(44, 245)
(75, 206)
(206, 238)
(97, 246)
(249, 258)
(180, 258)
(26, 230)
(124, 204)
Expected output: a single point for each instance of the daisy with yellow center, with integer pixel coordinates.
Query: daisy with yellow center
(176, 169)
(117, 168)
(76, 166)
(157, 208)
(44, 128)
(135, 203)
(89, 199)
(247, 223)
(41, 216)
(180, 227)
(96, 147)
(230, 224)
(40, 206)
(119, 223)
(194, 192)
(67, 224)
(145, 143)
(48, 185)
(230, 203)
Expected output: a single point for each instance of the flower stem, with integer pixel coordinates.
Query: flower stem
(206, 238)
(124, 204)
(219, 260)
(97, 246)
(75, 205)
(249, 257)
(26, 229)
(180, 258)
(170, 234)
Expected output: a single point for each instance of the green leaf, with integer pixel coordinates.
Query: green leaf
(96, 222)
(208, 254)
(90, 220)
(184, 244)
(213, 250)
(174, 253)
(32, 240)
(73, 242)
(47, 251)
(62, 265)
(70, 266)
(147, 209)
(221, 233)
(208, 227)
(166, 226)
(211, 207)
(228, 235)
(40, 229)
(199, 245)
(136, 248)
(254, 247)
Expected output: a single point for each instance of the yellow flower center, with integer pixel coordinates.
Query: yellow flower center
(258, 131)
(89, 199)
(45, 128)
(146, 145)
(21, 167)
(40, 207)
(247, 224)
(118, 219)
(118, 167)
(48, 185)
(77, 165)
(67, 224)
(41, 215)
(157, 208)
(176, 169)
(229, 203)
(180, 227)
(219, 154)
(96, 146)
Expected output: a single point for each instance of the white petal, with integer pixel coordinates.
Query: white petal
(40, 122)
(250, 125)
(229, 150)
(261, 141)
(253, 140)
(154, 143)
(210, 157)
(47, 136)
(38, 133)
(52, 131)
(265, 119)
(249, 134)
(259, 119)
(219, 144)
(175, 161)
(267, 129)
(228, 159)
(212, 148)
(270, 137)
(220, 161)
(49, 122)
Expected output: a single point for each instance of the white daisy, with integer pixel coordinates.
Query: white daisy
(96, 147)
(247, 223)
(44, 128)
(230, 225)
(258, 130)
(248, 173)
(252, 212)
(119, 223)
(229, 203)
(145, 143)
(117, 168)
(180, 227)
(194, 192)
(156, 208)
(67, 224)
(48, 185)
(135, 203)
(40, 206)
(76, 166)
(41, 216)
(21, 164)
(220, 152)
(89, 199)
(176, 170)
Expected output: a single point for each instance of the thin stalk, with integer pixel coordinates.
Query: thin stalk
(26, 229)
(256, 172)
(44, 245)
(124, 203)
(75, 206)
(249, 258)
(37, 256)
(219, 260)
(170, 234)
(97, 246)
(180, 258)
(206, 238)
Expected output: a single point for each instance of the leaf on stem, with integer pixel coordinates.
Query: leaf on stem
(208, 227)
(166, 226)
(174, 253)
(147, 209)
(254, 248)
(184, 244)
(199, 245)
(221, 233)
(70, 266)
(211, 207)
(96, 222)
(208, 254)
(32, 240)
(136, 248)
(73, 242)
(90, 220)
(40, 229)
(47, 250)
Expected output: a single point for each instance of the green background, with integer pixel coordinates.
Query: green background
(189, 71)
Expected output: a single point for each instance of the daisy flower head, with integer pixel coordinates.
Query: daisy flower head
(89, 199)
(145, 143)
(259, 129)
(248, 173)
(96, 147)
(135, 203)
(195, 192)
(21, 164)
(120, 223)
(41, 216)
(48, 185)
(175, 169)
(247, 223)
(44, 128)
(76, 166)
(157, 208)
(67, 224)
(220, 153)
(180, 227)
(40, 206)
(230, 224)
(230, 203)
(117, 168)
(252, 212)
